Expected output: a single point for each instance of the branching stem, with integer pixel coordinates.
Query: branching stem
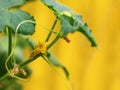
(53, 26)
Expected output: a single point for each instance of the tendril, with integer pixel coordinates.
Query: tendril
(66, 80)
(13, 49)
(14, 45)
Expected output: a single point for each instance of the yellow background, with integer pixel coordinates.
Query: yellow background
(90, 68)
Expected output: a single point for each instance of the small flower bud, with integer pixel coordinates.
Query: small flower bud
(23, 72)
(66, 39)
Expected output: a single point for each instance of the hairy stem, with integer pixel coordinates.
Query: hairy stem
(50, 33)
(29, 60)
(53, 42)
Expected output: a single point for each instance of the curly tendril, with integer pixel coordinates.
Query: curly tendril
(10, 72)
(14, 45)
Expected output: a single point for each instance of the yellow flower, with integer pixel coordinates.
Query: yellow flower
(41, 47)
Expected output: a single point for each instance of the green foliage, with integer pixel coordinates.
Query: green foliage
(11, 18)
(70, 21)
(12, 63)
(6, 4)
(18, 54)
(23, 42)
(10, 84)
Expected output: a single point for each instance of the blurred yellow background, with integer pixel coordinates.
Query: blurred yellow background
(90, 68)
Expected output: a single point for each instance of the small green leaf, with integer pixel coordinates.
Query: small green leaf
(11, 18)
(69, 20)
(56, 63)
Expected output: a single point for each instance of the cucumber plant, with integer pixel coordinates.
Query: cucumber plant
(16, 26)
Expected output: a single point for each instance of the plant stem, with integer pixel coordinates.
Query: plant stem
(9, 44)
(35, 57)
(53, 26)
(66, 80)
(9, 50)
(54, 41)
(4, 77)
(9, 41)
(29, 60)
(32, 59)
(21, 65)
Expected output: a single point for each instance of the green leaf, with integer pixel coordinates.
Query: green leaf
(16, 17)
(5, 4)
(4, 15)
(11, 18)
(56, 63)
(69, 20)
